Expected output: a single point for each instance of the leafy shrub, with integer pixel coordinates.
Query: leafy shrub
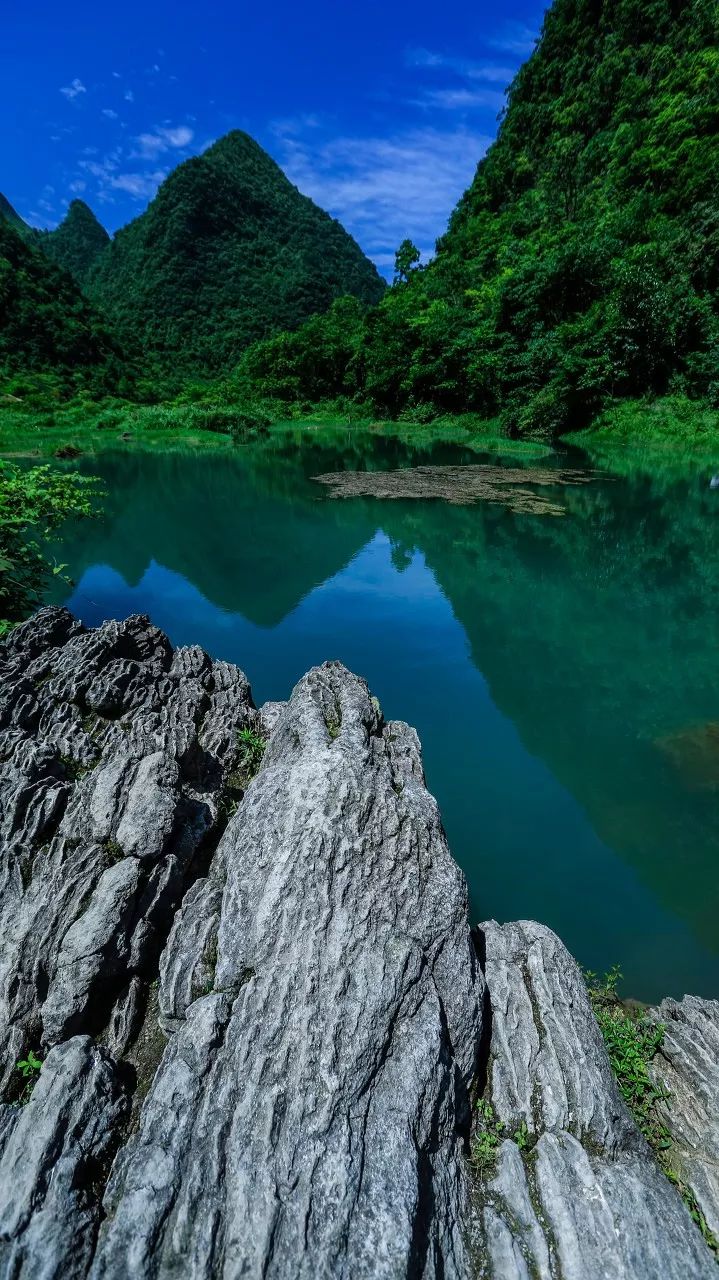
(32, 504)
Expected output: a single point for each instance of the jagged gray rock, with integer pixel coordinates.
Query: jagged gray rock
(292, 1098)
(53, 1152)
(687, 1070)
(577, 1193)
(115, 752)
(309, 1115)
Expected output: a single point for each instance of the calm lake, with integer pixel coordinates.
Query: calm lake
(562, 671)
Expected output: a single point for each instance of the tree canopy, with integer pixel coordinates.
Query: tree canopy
(77, 242)
(582, 264)
(47, 327)
(227, 253)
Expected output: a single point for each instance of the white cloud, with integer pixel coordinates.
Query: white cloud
(116, 75)
(292, 125)
(163, 139)
(461, 99)
(40, 221)
(129, 95)
(515, 37)
(491, 72)
(78, 185)
(72, 90)
(108, 111)
(141, 186)
(383, 189)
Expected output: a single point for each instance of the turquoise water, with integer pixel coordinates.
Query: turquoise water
(562, 672)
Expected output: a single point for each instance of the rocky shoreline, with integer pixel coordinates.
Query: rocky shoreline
(239, 942)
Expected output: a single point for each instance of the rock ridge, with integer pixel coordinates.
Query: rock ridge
(240, 944)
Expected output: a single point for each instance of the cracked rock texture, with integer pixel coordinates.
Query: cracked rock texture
(308, 1116)
(263, 1016)
(576, 1193)
(115, 752)
(687, 1068)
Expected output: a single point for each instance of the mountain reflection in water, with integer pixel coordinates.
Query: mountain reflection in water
(562, 673)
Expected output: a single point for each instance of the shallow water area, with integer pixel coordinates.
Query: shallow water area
(561, 672)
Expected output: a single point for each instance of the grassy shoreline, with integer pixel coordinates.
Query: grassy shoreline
(672, 428)
(88, 430)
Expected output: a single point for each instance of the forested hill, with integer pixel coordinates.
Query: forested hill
(49, 329)
(77, 242)
(227, 252)
(8, 214)
(583, 262)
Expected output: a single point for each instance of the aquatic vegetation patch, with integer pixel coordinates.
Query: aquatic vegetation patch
(511, 487)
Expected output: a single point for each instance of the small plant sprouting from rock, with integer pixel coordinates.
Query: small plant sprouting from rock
(29, 1069)
(489, 1135)
(697, 1216)
(252, 748)
(74, 770)
(523, 1138)
(114, 851)
(632, 1040)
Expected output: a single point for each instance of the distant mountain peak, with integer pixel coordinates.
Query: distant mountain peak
(77, 242)
(228, 252)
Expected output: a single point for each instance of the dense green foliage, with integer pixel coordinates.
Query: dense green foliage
(49, 330)
(300, 366)
(583, 261)
(579, 271)
(32, 504)
(77, 242)
(8, 214)
(582, 264)
(228, 252)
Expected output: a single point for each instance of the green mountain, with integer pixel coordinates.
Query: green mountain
(583, 261)
(227, 252)
(77, 242)
(582, 264)
(48, 328)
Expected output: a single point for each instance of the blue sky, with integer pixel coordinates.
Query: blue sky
(379, 111)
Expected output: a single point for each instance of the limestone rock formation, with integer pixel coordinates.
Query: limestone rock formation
(577, 1193)
(687, 1069)
(240, 943)
(116, 755)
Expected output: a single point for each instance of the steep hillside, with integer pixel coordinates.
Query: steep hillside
(227, 252)
(77, 242)
(47, 327)
(583, 262)
(8, 214)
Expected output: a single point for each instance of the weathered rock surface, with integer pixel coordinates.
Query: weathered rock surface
(53, 1151)
(115, 755)
(687, 1069)
(577, 1193)
(261, 1004)
(309, 1115)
